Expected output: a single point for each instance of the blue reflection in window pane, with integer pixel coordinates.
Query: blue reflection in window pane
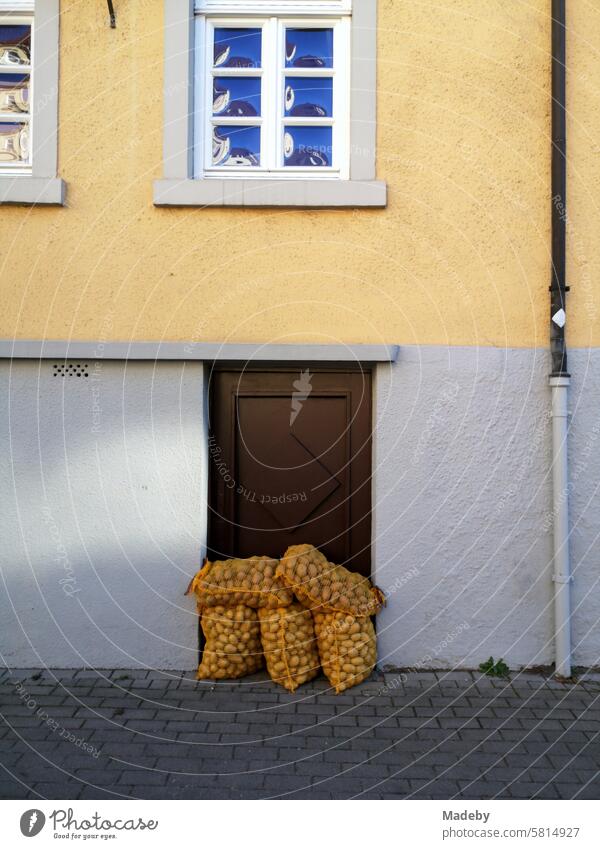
(306, 147)
(236, 96)
(237, 48)
(14, 93)
(14, 142)
(308, 97)
(309, 48)
(238, 147)
(15, 45)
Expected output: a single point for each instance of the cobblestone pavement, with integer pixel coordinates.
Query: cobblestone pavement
(119, 733)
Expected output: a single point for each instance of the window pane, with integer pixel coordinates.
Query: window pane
(236, 96)
(309, 48)
(236, 146)
(308, 97)
(14, 142)
(237, 48)
(15, 45)
(307, 147)
(14, 93)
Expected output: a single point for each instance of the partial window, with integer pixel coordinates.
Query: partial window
(15, 94)
(29, 102)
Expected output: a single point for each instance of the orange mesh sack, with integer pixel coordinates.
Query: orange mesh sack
(289, 644)
(319, 584)
(347, 648)
(233, 648)
(251, 582)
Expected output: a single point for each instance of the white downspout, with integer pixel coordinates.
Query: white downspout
(562, 565)
(559, 376)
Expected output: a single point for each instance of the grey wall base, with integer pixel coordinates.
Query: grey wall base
(463, 524)
(103, 485)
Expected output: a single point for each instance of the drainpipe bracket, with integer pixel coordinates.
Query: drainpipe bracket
(562, 579)
(559, 380)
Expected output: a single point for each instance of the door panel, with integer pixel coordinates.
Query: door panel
(290, 462)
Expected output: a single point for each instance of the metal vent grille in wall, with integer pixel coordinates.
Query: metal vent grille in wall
(70, 369)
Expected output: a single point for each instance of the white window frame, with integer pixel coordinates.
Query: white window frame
(36, 181)
(186, 180)
(272, 75)
(13, 168)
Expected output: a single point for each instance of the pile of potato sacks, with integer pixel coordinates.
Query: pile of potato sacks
(296, 615)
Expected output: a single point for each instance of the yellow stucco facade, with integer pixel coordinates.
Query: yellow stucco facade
(460, 256)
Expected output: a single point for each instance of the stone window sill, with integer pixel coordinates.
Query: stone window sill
(270, 192)
(32, 190)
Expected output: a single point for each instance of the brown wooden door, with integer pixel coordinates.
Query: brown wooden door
(290, 462)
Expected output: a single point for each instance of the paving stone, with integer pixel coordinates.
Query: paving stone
(252, 752)
(433, 789)
(145, 776)
(120, 792)
(425, 731)
(194, 737)
(99, 777)
(347, 786)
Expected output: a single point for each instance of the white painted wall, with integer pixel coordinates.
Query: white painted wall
(103, 492)
(584, 457)
(462, 523)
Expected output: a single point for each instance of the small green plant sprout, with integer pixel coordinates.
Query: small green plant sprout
(494, 668)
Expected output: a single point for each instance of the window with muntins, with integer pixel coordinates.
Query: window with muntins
(270, 103)
(16, 82)
(272, 90)
(29, 47)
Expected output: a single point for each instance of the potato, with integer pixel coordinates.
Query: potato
(251, 582)
(347, 656)
(320, 585)
(289, 644)
(233, 647)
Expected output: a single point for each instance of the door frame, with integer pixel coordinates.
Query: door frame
(315, 366)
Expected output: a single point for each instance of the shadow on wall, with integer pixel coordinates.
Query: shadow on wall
(105, 508)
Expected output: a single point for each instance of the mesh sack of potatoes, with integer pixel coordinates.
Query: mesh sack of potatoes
(233, 648)
(347, 648)
(319, 584)
(251, 582)
(289, 644)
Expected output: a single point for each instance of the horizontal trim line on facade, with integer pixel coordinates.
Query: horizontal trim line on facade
(51, 349)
